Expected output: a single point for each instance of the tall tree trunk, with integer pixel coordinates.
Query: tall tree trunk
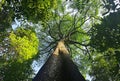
(59, 67)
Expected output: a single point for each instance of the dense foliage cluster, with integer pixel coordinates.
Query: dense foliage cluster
(25, 43)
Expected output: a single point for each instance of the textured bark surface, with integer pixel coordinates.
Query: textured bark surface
(50, 70)
(59, 67)
(61, 48)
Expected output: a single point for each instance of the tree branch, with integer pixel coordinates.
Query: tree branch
(87, 51)
(75, 42)
(59, 29)
(49, 31)
(48, 46)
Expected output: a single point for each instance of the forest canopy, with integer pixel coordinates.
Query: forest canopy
(30, 30)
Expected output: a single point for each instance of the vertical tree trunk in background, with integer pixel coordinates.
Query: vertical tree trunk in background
(59, 67)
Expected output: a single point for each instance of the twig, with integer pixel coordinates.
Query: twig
(88, 52)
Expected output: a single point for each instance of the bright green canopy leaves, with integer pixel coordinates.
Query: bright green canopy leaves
(105, 66)
(15, 62)
(87, 7)
(37, 9)
(25, 43)
(32, 10)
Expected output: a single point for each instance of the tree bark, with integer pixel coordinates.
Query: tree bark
(59, 67)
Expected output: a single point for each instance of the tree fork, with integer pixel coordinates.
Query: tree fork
(59, 67)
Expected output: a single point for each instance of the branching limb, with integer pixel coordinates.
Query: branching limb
(49, 50)
(48, 46)
(49, 31)
(59, 29)
(88, 52)
(75, 42)
(79, 47)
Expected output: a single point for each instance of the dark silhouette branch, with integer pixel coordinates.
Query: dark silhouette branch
(59, 25)
(49, 31)
(75, 42)
(74, 30)
(52, 43)
(87, 51)
(82, 23)
(59, 29)
(79, 47)
(73, 24)
(49, 50)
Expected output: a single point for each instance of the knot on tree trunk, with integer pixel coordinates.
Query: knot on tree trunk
(61, 49)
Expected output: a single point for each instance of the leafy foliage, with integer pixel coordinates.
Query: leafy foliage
(75, 22)
(110, 6)
(25, 43)
(104, 41)
(105, 66)
(38, 9)
(32, 10)
(16, 71)
(87, 7)
(107, 34)
(16, 63)
(1, 3)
